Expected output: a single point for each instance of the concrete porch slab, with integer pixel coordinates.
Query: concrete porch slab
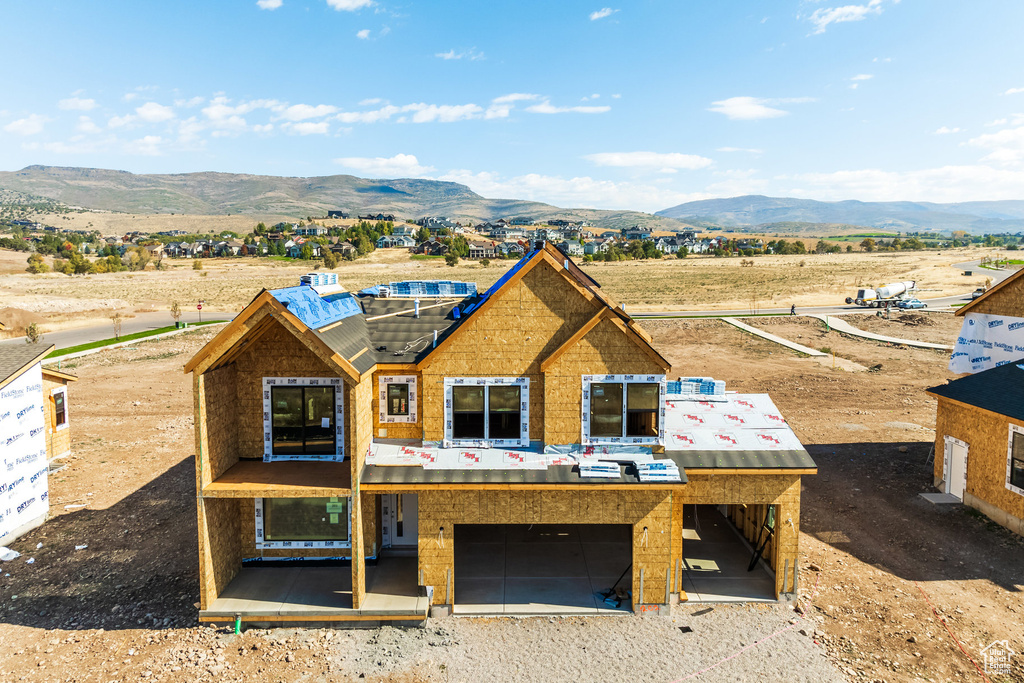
(941, 498)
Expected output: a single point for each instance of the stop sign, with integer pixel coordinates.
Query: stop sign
(199, 307)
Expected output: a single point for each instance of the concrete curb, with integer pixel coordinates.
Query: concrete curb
(840, 325)
(88, 352)
(771, 337)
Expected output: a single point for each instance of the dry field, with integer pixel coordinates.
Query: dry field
(696, 283)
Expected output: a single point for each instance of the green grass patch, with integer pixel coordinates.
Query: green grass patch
(424, 257)
(641, 316)
(124, 338)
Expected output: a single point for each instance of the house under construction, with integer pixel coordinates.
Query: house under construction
(366, 457)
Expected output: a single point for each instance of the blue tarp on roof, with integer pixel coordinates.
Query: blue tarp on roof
(509, 274)
(306, 305)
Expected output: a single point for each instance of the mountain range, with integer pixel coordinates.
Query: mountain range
(211, 193)
(761, 213)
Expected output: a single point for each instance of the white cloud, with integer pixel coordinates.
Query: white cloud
(746, 109)
(471, 54)
(602, 13)
(129, 96)
(748, 150)
(364, 34)
(151, 112)
(86, 125)
(666, 162)
(77, 104)
(119, 121)
(370, 101)
(943, 184)
(269, 4)
(264, 128)
(823, 17)
(30, 125)
(146, 146)
(372, 116)
(400, 165)
(863, 77)
(307, 128)
(188, 104)
(301, 112)
(944, 130)
(1014, 91)
(579, 191)
(1006, 147)
(443, 113)
(349, 5)
(502, 106)
(515, 97)
(546, 107)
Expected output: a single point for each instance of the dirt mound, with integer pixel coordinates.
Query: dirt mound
(915, 319)
(15, 320)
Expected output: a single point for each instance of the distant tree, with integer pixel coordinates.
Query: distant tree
(330, 259)
(307, 252)
(849, 248)
(33, 334)
(682, 253)
(451, 259)
(37, 265)
(116, 320)
(422, 235)
(176, 311)
(261, 229)
(485, 262)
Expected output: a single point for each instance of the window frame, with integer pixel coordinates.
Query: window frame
(63, 390)
(1014, 429)
(625, 380)
(524, 412)
(262, 544)
(382, 399)
(339, 418)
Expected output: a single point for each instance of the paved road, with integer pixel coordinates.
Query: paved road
(140, 323)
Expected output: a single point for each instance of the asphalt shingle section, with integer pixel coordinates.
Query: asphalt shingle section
(1000, 390)
(401, 337)
(742, 460)
(14, 357)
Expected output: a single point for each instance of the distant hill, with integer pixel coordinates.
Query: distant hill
(759, 212)
(230, 193)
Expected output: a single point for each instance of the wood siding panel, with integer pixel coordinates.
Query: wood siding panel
(987, 436)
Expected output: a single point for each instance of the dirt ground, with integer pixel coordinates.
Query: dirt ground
(123, 609)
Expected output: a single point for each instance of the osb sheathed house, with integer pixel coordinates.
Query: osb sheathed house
(979, 426)
(416, 443)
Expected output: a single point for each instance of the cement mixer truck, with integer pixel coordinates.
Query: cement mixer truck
(882, 297)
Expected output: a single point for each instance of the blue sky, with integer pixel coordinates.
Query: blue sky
(638, 105)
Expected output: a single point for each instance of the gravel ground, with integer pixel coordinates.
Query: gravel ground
(629, 648)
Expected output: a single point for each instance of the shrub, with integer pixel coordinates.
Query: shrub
(485, 262)
(451, 259)
(197, 264)
(37, 265)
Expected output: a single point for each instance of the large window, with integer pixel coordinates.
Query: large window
(625, 409)
(302, 523)
(487, 411)
(397, 398)
(303, 418)
(1015, 460)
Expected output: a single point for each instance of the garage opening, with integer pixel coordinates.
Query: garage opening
(717, 559)
(541, 568)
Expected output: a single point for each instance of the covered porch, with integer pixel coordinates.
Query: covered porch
(291, 593)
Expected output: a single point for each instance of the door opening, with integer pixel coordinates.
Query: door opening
(956, 467)
(400, 519)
